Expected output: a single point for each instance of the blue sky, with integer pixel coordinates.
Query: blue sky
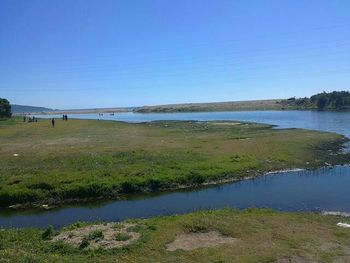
(104, 53)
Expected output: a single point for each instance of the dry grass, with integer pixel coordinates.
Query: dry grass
(190, 241)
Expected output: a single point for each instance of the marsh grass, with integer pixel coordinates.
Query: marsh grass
(96, 235)
(48, 233)
(89, 159)
(122, 237)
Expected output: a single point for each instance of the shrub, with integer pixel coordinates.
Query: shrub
(129, 187)
(85, 242)
(48, 233)
(195, 178)
(42, 186)
(152, 227)
(154, 184)
(122, 237)
(96, 234)
(136, 228)
(195, 227)
(117, 226)
(5, 108)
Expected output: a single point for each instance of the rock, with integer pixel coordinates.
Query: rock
(343, 225)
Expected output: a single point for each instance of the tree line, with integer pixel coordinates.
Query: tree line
(5, 108)
(336, 100)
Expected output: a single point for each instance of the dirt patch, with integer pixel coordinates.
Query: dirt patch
(199, 240)
(344, 259)
(111, 235)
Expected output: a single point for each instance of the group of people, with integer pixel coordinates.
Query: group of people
(34, 119)
(30, 119)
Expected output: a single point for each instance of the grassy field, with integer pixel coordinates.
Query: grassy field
(82, 159)
(260, 236)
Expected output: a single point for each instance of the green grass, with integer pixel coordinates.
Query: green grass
(82, 159)
(96, 234)
(48, 233)
(264, 236)
(122, 237)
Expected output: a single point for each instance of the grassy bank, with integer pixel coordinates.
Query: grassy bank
(82, 159)
(258, 235)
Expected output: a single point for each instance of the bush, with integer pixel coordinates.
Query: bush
(48, 233)
(5, 108)
(195, 178)
(97, 234)
(154, 184)
(122, 237)
(136, 228)
(130, 187)
(196, 227)
(42, 186)
(85, 242)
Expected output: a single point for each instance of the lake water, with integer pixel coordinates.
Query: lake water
(323, 121)
(325, 189)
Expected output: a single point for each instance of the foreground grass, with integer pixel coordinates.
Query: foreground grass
(264, 236)
(91, 159)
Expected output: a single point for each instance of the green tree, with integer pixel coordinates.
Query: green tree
(5, 108)
(322, 102)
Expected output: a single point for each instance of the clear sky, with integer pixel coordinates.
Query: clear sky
(104, 53)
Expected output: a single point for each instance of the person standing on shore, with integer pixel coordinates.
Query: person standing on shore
(53, 122)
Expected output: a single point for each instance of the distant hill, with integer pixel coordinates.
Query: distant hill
(215, 106)
(18, 109)
(333, 101)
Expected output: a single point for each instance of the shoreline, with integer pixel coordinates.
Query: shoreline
(48, 205)
(116, 111)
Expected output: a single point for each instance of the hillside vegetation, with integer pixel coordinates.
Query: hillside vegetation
(20, 109)
(214, 106)
(90, 159)
(336, 100)
(322, 101)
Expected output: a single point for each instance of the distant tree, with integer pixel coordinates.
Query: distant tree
(5, 108)
(322, 102)
(335, 100)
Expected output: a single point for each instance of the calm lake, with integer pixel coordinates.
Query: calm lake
(325, 189)
(338, 122)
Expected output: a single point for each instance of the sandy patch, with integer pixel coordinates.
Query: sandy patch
(199, 240)
(110, 231)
